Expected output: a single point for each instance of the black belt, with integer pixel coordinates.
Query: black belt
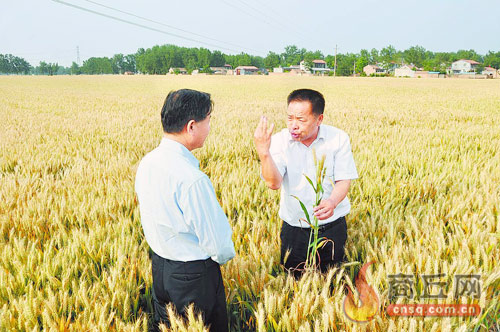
(323, 227)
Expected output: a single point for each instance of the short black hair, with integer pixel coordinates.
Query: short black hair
(182, 106)
(314, 97)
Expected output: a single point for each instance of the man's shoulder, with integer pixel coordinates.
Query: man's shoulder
(331, 130)
(334, 133)
(176, 168)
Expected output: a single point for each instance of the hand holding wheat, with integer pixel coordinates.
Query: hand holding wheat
(325, 209)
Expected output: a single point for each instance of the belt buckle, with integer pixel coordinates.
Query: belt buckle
(324, 227)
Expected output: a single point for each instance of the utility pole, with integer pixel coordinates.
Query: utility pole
(335, 65)
(78, 55)
(354, 69)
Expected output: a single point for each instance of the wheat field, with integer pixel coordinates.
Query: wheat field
(73, 255)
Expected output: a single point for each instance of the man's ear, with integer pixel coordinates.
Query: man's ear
(320, 118)
(190, 127)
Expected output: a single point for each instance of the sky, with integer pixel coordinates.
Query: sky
(51, 30)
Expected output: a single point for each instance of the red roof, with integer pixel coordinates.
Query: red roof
(247, 67)
(319, 61)
(472, 62)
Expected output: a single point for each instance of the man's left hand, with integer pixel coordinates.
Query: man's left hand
(324, 210)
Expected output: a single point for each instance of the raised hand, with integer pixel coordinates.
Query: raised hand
(262, 136)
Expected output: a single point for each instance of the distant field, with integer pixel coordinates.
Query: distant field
(72, 252)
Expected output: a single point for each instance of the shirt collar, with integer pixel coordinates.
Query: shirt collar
(321, 135)
(171, 145)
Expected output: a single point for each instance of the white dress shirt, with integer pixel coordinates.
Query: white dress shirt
(294, 159)
(180, 214)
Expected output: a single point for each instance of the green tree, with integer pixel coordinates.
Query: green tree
(468, 55)
(292, 55)
(387, 55)
(118, 63)
(345, 64)
(361, 62)
(479, 68)
(415, 55)
(129, 63)
(52, 68)
(43, 68)
(217, 59)
(373, 56)
(272, 60)
(492, 59)
(94, 66)
(75, 69)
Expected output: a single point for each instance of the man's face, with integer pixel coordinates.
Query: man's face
(302, 123)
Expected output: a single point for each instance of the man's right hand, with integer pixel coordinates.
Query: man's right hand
(262, 136)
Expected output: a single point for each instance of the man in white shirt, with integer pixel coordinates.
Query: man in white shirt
(285, 158)
(182, 220)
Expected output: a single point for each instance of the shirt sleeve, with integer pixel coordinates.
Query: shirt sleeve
(204, 214)
(277, 151)
(344, 167)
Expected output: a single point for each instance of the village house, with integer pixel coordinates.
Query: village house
(490, 72)
(464, 66)
(404, 71)
(246, 70)
(318, 67)
(182, 71)
(373, 70)
(224, 70)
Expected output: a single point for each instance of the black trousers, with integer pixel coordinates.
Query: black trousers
(183, 283)
(296, 240)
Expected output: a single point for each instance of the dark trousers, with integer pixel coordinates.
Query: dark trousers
(183, 283)
(296, 240)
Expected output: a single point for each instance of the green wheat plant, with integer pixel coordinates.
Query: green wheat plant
(315, 243)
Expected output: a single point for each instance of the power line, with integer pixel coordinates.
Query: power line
(252, 15)
(168, 26)
(272, 18)
(142, 25)
(275, 23)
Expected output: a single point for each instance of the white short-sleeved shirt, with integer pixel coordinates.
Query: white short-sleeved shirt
(294, 159)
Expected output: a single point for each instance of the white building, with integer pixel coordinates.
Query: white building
(318, 66)
(404, 71)
(464, 66)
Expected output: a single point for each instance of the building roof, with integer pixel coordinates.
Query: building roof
(489, 69)
(319, 61)
(472, 62)
(406, 66)
(373, 66)
(247, 67)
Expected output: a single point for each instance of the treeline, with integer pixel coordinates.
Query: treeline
(159, 59)
(10, 64)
